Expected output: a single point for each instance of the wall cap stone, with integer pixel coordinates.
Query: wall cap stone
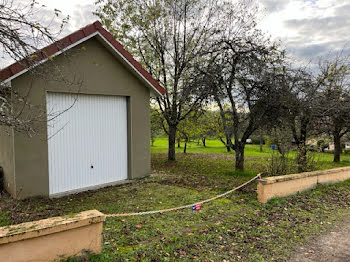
(47, 226)
(276, 179)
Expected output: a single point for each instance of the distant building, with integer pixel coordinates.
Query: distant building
(330, 147)
(347, 145)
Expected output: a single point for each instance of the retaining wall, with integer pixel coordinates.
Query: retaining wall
(52, 239)
(286, 185)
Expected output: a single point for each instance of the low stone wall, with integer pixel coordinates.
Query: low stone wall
(280, 186)
(52, 239)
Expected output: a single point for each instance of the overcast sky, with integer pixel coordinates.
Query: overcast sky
(307, 28)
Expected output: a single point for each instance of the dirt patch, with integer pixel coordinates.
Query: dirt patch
(331, 246)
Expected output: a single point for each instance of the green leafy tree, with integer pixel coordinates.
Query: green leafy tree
(156, 124)
(188, 129)
(223, 126)
(207, 126)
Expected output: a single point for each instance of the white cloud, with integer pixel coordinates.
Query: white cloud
(80, 12)
(307, 28)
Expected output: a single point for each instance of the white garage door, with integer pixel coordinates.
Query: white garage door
(87, 143)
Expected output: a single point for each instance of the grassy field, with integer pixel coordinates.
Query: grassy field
(235, 228)
(256, 161)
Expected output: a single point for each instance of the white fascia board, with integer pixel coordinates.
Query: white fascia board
(79, 42)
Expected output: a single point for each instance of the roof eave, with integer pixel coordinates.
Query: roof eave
(77, 38)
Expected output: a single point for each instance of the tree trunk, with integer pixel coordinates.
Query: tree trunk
(337, 147)
(261, 142)
(239, 149)
(302, 158)
(171, 142)
(185, 147)
(228, 148)
(203, 141)
(179, 143)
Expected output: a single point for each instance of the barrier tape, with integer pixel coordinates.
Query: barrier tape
(197, 204)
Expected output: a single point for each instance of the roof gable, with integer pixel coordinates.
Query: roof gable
(80, 36)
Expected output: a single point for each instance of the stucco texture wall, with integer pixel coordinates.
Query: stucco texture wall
(94, 70)
(7, 158)
(52, 239)
(280, 186)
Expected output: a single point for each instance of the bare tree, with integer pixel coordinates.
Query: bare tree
(254, 100)
(300, 110)
(23, 31)
(243, 75)
(171, 38)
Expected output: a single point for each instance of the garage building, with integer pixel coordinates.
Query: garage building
(95, 135)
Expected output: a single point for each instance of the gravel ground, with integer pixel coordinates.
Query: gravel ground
(334, 246)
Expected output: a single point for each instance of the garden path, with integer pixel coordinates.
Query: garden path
(333, 246)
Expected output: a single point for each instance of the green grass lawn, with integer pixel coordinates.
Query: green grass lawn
(235, 228)
(212, 146)
(256, 161)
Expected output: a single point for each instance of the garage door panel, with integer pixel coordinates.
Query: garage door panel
(88, 142)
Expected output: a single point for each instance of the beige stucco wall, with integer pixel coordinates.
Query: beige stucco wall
(285, 188)
(100, 73)
(52, 239)
(280, 186)
(7, 158)
(334, 175)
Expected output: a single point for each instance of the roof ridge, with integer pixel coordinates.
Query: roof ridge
(60, 45)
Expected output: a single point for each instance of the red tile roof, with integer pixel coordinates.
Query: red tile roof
(65, 42)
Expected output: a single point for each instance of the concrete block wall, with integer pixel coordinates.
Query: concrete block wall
(52, 239)
(280, 186)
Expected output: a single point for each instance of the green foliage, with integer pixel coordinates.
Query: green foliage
(202, 126)
(4, 218)
(156, 124)
(210, 125)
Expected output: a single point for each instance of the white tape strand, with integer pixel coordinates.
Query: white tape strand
(185, 206)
